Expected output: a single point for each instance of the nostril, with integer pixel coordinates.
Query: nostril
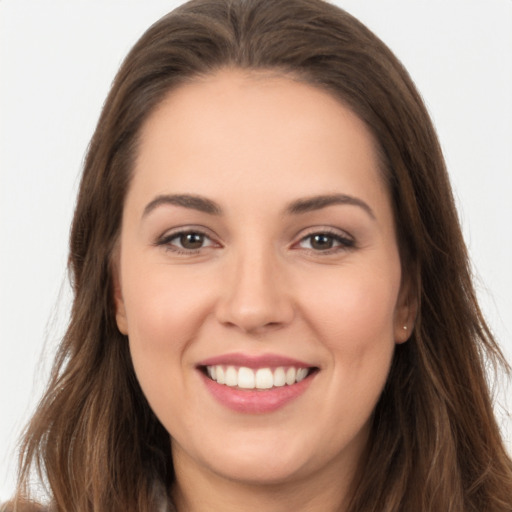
(253, 300)
(253, 325)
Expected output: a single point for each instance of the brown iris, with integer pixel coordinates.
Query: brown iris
(191, 240)
(322, 242)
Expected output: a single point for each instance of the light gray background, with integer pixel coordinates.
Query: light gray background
(57, 59)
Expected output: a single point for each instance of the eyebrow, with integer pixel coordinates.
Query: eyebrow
(193, 202)
(313, 203)
(303, 205)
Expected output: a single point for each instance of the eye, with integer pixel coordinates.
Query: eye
(325, 242)
(191, 240)
(186, 241)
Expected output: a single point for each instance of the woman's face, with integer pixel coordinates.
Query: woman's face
(259, 279)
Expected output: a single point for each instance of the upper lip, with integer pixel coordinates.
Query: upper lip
(254, 361)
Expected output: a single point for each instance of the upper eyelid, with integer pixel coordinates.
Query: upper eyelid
(328, 230)
(164, 241)
(167, 240)
(173, 232)
(298, 237)
(345, 240)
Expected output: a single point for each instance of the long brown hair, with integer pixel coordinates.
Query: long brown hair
(435, 444)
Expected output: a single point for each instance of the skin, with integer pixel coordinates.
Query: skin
(254, 143)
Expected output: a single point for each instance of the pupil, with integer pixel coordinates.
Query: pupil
(192, 240)
(321, 242)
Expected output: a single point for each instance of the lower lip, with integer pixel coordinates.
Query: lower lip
(256, 401)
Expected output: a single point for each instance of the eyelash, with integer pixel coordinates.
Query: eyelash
(165, 241)
(344, 243)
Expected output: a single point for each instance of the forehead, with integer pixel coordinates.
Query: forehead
(261, 131)
(245, 101)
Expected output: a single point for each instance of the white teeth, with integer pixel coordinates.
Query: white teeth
(221, 379)
(301, 374)
(245, 378)
(279, 377)
(231, 377)
(262, 378)
(290, 376)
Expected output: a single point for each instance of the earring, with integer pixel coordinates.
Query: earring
(405, 327)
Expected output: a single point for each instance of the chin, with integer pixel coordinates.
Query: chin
(271, 458)
(276, 471)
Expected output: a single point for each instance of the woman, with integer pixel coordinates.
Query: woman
(273, 305)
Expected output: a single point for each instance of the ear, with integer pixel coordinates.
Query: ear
(406, 311)
(121, 320)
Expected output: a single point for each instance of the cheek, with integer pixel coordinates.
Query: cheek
(165, 314)
(354, 322)
(163, 309)
(353, 316)
(354, 310)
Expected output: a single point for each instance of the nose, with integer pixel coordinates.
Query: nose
(255, 296)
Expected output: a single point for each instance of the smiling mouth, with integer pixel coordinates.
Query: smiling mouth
(257, 379)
